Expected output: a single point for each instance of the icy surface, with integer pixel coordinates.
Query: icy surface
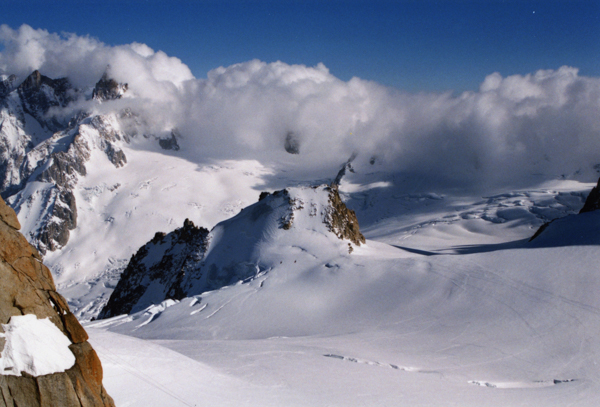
(34, 346)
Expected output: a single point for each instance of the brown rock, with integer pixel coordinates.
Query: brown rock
(22, 391)
(27, 287)
(8, 216)
(343, 221)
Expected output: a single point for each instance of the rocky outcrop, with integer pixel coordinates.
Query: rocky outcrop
(341, 220)
(190, 260)
(40, 93)
(27, 288)
(170, 143)
(161, 263)
(592, 203)
(108, 89)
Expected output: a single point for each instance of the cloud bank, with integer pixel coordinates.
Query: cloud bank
(547, 122)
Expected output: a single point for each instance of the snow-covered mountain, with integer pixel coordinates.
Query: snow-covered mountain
(43, 154)
(74, 160)
(446, 296)
(190, 260)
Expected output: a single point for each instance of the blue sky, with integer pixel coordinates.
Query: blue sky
(412, 45)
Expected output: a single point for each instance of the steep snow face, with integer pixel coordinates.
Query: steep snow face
(190, 261)
(39, 148)
(50, 213)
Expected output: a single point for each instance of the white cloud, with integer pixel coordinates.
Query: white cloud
(84, 59)
(545, 122)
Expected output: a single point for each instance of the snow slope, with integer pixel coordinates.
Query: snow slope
(120, 209)
(477, 317)
(446, 304)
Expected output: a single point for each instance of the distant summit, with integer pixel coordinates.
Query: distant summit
(108, 89)
(39, 94)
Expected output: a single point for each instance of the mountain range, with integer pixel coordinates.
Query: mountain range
(201, 277)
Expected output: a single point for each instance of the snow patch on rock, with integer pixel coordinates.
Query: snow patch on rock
(34, 346)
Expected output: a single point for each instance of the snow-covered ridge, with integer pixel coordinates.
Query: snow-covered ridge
(190, 260)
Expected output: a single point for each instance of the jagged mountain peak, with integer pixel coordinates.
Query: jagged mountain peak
(190, 260)
(36, 80)
(108, 89)
(39, 93)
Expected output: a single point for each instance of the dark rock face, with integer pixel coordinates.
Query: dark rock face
(108, 89)
(162, 263)
(169, 143)
(26, 287)
(592, 202)
(40, 93)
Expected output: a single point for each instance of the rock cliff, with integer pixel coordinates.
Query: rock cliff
(159, 265)
(28, 297)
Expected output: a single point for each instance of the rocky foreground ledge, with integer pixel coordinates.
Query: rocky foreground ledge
(46, 359)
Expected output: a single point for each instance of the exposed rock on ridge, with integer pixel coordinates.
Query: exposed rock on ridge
(190, 260)
(180, 252)
(26, 287)
(343, 221)
(108, 89)
(592, 203)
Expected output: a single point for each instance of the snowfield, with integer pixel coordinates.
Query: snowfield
(446, 304)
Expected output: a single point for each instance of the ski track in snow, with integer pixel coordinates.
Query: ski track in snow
(373, 363)
(521, 385)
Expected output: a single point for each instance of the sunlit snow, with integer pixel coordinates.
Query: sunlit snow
(34, 346)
